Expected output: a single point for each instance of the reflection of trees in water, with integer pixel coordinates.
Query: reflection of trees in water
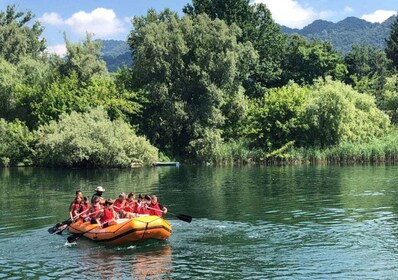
(152, 261)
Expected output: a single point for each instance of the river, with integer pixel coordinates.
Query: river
(251, 222)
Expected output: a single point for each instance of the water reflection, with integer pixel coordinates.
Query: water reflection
(149, 260)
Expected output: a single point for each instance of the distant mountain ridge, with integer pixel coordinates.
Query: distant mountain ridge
(342, 35)
(345, 33)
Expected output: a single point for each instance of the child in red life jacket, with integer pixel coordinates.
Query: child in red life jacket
(74, 207)
(155, 208)
(84, 207)
(94, 211)
(108, 216)
(131, 207)
(120, 204)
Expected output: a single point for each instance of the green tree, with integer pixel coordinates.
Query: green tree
(18, 37)
(192, 71)
(16, 143)
(392, 44)
(368, 69)
(306, 61)
(277, 118)
(336, 114)
(9, 78)
(84, 59)
(91, 140)
(258, 28)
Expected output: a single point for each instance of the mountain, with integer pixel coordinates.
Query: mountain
(116, 54)
(342, 35)
(347, 32)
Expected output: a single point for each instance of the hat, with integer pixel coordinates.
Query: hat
(99, 189)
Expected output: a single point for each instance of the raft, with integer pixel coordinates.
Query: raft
(125, 231)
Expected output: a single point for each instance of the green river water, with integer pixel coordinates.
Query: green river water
(297, 222)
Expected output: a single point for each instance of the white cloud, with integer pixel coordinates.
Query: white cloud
(51, 18)
(57, 49)
(348, 9)
(379, 15)
(100, 22)
(290, 13)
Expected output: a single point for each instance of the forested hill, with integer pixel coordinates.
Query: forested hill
(116, 54)
(347, 32)
(342, 35)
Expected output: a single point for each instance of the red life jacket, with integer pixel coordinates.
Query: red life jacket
(156, 212)
(96, 210)
(118, 205)
(107, 216)
(84, 208)
(130, 208)
(142, 210)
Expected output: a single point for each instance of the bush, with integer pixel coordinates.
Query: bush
(92, 140)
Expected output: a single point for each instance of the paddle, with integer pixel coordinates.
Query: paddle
(182, 217)
(76, 236)
(61, 226)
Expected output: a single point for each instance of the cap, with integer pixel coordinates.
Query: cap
(99, 189)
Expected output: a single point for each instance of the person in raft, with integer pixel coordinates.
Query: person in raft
(74, 207)
(98, 192)
(84, 207)
(155, 208)
(108, 216)
(78, 193)
(119, 205)
(94, 211)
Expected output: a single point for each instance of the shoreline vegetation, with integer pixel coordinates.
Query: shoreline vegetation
(219, 85)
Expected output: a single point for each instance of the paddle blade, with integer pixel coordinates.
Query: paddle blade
(185, 218)
(74, 237)
(54, 228)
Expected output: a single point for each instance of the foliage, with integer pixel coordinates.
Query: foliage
(368, 69)
(336, 114)
(276, 118)
(91, 140)
(346, 33)
(257, 28)
(192, 70)
(15, 143)
(18, 37)
(84, 59)
(306, 61)
(392, 43)
(9, 78)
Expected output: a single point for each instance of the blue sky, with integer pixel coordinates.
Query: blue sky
(110, 19)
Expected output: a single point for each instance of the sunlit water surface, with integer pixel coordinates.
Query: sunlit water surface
(314, 222)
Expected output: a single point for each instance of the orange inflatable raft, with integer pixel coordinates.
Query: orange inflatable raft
(125, 231)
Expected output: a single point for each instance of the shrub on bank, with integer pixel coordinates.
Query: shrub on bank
(91, 140)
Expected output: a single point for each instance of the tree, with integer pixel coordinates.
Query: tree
(91, 139)
(336, 113)
(368, 69)
(84, 59)
(258, 28)
(392, 44)
(192, 71)
(19, 38)
(277, 118)
(306, 61)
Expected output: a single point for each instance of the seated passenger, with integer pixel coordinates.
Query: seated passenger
(131, 206)
(74, 207)
(142, 206)
(84, 208)
(120, 204)
(98, 192)
(94, 211)
(108, 217)
(155, 208)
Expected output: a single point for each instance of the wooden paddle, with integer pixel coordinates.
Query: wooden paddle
(182, 217)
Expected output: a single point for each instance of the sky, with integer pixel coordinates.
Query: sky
(111, 19)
